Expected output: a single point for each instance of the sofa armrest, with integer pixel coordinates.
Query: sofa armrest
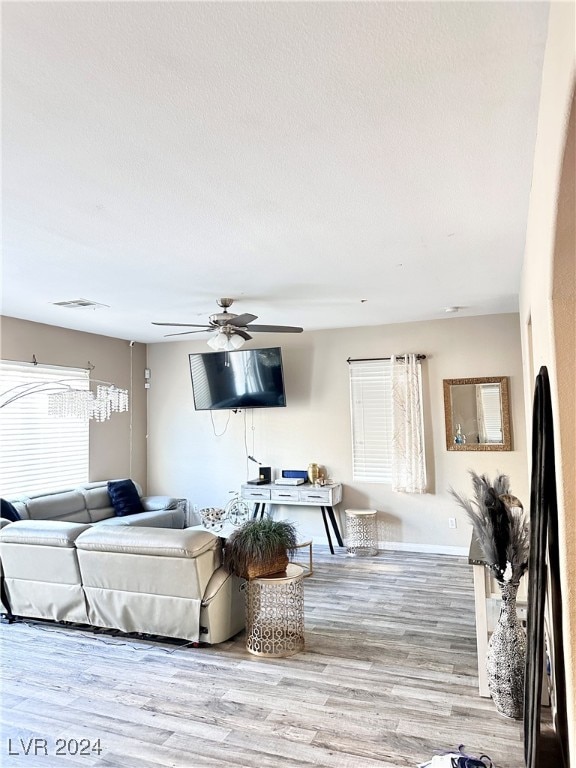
(156, 503)
(4, 522)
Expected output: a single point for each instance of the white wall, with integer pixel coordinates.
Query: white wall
(547, 299)
(189, 457)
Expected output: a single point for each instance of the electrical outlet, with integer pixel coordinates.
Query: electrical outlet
(451, 522)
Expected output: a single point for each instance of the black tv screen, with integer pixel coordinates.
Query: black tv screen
(244, 378)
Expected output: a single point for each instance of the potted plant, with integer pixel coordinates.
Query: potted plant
(260, 548)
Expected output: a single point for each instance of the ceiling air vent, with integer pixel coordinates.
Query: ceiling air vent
(79, 304)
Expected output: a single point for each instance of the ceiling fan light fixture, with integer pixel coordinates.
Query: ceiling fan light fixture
(236, 341)
(225, 341)
(214, 342)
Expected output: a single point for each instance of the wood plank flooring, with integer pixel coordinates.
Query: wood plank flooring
(387, 679)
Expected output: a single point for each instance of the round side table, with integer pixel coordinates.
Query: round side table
(275, 614)
(308, 569)
(361, 535)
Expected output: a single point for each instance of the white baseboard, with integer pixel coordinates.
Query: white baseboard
(438, 549)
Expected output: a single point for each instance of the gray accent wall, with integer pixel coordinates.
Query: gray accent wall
(117, 446)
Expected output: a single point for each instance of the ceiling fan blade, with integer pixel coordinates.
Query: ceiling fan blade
(230, 323)
(242, 320)
(186, 325)
(185, 333)
(276, 328)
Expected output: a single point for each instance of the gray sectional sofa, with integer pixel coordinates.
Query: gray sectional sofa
(91, 504)
(70, 559)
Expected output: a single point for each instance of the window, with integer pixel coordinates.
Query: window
(39, 451)
(371, 413)
(489, 413)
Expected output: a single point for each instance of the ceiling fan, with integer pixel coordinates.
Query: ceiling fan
(231, 330)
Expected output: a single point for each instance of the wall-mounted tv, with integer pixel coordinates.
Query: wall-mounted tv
(244, 378)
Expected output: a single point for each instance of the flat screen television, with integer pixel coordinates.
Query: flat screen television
(244, 378)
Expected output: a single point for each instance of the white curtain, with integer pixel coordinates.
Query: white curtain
(408, 460)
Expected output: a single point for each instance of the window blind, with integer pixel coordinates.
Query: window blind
(371, 416)
(39, 451)
(491, 424)
(200, 385)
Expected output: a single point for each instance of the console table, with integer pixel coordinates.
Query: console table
(326, 497)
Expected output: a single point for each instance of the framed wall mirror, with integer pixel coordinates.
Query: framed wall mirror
(477, 414)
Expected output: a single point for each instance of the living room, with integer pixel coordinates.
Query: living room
(168, 447)
(179, 454)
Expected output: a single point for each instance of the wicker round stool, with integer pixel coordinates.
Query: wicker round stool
(275, 614)
(361, 534)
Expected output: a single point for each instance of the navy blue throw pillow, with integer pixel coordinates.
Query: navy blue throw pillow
(8, 511)
(124, 497)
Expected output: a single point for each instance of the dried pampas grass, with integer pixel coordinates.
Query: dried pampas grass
(500, 524)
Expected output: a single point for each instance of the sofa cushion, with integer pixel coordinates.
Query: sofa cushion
(161, 518)
(124, 497)
(8, 511)
(66, 505)
(98, 503)
(164, 542)
(50, 533)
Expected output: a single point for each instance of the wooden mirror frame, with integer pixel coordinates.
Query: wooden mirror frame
(506, 445)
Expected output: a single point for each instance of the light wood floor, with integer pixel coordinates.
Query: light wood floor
(387, 679)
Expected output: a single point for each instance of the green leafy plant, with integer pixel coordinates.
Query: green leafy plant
(260, 547)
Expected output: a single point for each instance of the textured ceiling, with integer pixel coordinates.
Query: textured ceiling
(300, 157)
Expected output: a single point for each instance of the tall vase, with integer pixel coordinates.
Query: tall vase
(313, 473)
(507, 656)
